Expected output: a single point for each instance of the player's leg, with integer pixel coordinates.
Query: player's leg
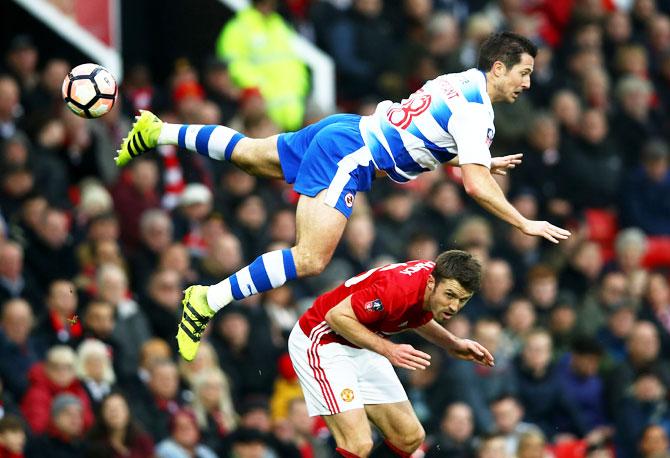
(329, 382)
(351, 431)
(402, 431)
(319, 229)
(386, 404)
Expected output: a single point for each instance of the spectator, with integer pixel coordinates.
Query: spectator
(115, 434)
(184, 441)
(17, 347)
(508, 415)
(59, 326)
(162, 303)
(654, 442)
(645, 202)
(63, 439)
(643, 347)
(48, 380)
(520, 320)
(250, 42)
(657, 307)
(494, 297)
(154, 408)
(545, 404)
(640, 406)
(585, 263)
(302, 427)
(194, 205)
(484, 384)
(630, 247)
(248, 362)
(531, 445)
(51, 255)
(155, 237)
(610, 295)
(95, 371)
(493, 446)
(12, 437)
(592, 150)
(286, 388)
(132, 328)
(134, 194)
(456, 433)
(213, 406)
(9, 106)
(578, 372)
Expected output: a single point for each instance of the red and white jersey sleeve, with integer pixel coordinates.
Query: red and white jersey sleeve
(386, 300)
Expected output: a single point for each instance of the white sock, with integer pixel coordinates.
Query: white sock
(169, 134)
(219, 295)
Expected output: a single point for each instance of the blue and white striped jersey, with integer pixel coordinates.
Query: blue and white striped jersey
(450, 115)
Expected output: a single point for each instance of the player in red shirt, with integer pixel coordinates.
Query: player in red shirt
(344, 362)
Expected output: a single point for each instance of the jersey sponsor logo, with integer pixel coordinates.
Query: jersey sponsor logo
(349, 200)
(489, 137)
(417, 267)
(374, 306)
(347, 395)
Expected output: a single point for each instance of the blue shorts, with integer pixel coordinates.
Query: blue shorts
(328, 155)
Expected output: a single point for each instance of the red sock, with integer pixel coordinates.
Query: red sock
(346, 454)
(396, 450)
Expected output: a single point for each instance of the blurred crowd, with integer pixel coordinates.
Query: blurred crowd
(93, 259)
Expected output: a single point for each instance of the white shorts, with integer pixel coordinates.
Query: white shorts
(336, 378)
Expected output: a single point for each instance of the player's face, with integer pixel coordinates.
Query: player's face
(513, 81)
(446, 299)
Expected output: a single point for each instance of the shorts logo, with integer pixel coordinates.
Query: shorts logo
(489, 137)
(374, 306)
(349, 200)
(347, 395)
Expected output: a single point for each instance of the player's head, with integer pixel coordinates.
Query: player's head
(454, 280)
(507, 59)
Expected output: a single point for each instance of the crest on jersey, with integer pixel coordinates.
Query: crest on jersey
(349, 200)
(489, 137)
(374, 306)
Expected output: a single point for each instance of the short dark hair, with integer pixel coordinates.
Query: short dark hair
(460, 266)
(506, 47)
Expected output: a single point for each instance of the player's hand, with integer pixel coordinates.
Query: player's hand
(407, 357)
(500, 165)
(545, 229)
(470, 350)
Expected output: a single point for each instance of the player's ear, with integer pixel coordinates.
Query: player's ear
(498, 68)
(431, 282)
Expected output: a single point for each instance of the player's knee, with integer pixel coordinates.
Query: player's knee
(360, 447)
(308, 264)
(411, 440)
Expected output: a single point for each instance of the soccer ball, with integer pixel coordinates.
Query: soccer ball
(89, 90)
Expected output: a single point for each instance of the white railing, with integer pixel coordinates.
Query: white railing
(320, 64)
(79, 37)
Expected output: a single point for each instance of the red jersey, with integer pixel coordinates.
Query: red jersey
(386, 300)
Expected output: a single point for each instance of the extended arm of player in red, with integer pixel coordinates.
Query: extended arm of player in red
(460, 348)
(436, 334)
(343, 321)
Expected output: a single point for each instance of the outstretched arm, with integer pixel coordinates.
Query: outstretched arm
(343, 321)
(466, 349)
(480, 185)
(499, 165)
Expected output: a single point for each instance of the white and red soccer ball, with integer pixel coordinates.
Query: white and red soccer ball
(89, 90)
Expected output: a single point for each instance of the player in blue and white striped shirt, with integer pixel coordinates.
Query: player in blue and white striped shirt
(449, 120)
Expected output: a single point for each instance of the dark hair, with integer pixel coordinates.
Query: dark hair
(11, 423)
(506, 47)
(460, 266)
(586, 345)
(99, 433)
